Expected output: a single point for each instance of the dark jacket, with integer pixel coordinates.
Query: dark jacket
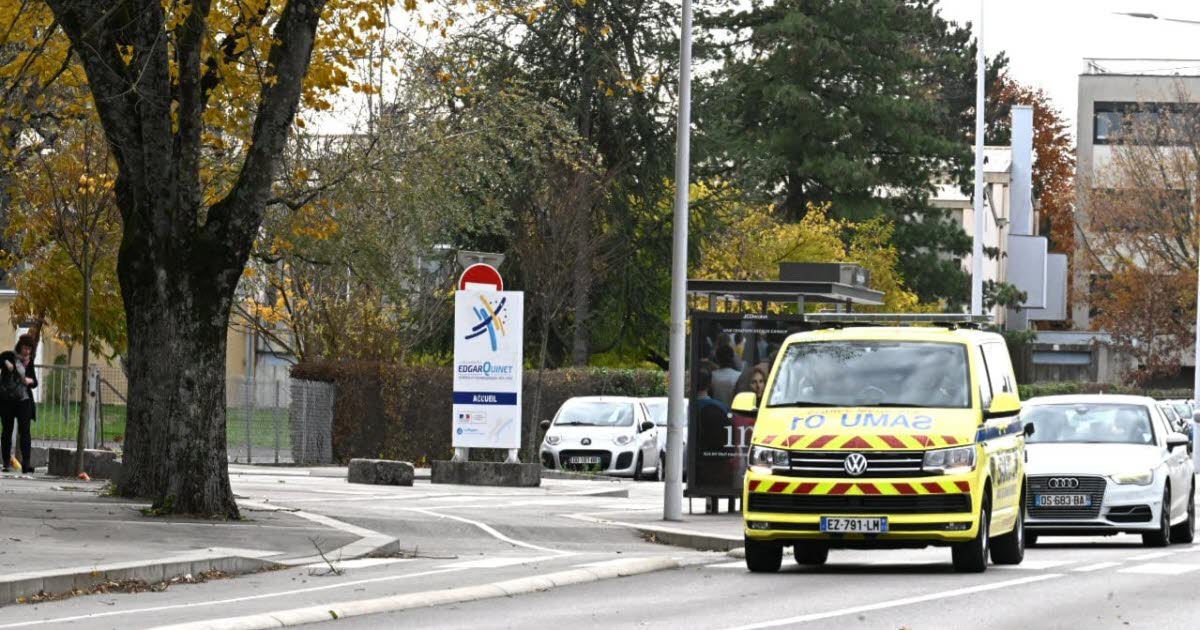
(24, 371)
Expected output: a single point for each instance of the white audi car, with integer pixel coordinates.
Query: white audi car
(1102, 465)
(610, 435)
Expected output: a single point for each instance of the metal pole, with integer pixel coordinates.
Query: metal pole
(1196, 385)
(977, 246)
(676, 409)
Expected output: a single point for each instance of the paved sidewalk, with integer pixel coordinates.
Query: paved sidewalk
(697, 530)
(58, 534)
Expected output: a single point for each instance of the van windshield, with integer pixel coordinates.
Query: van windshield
(872, 374)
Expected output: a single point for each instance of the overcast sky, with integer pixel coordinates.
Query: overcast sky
(1047, 40)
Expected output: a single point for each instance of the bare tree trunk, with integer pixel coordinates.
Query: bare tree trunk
(537, 390)
(584, 276)
(84, 401)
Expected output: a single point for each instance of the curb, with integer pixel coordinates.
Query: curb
(396, 603)
(698, 541)
(15, 586)
(692, 540)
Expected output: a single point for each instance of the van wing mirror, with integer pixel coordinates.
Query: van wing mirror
(1003, 405)
(545, 424)
(746, 404)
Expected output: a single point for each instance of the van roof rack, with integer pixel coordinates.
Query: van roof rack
(944, 320)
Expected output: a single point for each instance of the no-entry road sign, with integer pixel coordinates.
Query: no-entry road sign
(481, 276)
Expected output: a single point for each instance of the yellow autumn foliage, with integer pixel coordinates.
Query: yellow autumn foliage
(747, 242)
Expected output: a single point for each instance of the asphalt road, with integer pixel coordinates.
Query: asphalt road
(1115, 583)
(458, 537)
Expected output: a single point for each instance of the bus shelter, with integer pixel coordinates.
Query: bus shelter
(736, 327)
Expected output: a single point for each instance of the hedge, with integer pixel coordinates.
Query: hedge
(390, 411)
(1057, 389)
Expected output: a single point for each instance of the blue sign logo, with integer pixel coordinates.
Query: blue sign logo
(491, 318)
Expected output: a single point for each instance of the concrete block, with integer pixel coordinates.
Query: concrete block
(487, 474)
(39, 456)
(381, 472)
(97, 464)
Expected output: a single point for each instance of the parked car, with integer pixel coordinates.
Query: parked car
(656, 409)
(1104, 465)
(1174, 419)
(1186, 410)
(604, 434)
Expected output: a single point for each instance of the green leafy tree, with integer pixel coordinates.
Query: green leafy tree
(862, 104)
(607, 66)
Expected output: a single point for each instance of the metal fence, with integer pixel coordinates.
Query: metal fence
(267, 421)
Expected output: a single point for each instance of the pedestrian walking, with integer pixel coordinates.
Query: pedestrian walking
(17, 382)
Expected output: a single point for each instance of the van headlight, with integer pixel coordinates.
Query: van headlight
(553, 440)
(1139, 478)
(950, 461)
(763, 459)
(622, 440)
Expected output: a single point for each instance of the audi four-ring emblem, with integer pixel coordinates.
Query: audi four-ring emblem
(1062, 483)
(855, 464)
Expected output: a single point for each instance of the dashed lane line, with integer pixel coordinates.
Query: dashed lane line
(1099, 566)
(896, 603)
(1034, 565)
(1150, 556)
(1161, 568)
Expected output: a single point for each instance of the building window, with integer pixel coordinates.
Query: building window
(1144, 123)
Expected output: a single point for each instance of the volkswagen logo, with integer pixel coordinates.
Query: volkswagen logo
(586, 441)
(855, 464)
(1061, 483)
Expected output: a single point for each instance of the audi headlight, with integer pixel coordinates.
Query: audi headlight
(1140, 478)
(950, 461)
(622, 440)
(553, 440)
(763, 459)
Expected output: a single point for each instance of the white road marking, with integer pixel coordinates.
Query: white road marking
(496, 563)
(1161, 568)
(359, 563)
(1034, 565)
(235, 600)
(1096, 567)
(491, 531)
(894, 603)
(740, 564)
(1150, 556)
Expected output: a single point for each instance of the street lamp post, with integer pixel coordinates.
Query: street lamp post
(676, 408)
(977, 242)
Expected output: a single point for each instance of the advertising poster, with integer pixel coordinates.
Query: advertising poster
(488, 339)
(728, 354)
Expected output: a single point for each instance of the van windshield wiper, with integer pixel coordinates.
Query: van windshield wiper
(574, 424)
(805, 403)
(896, 404)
